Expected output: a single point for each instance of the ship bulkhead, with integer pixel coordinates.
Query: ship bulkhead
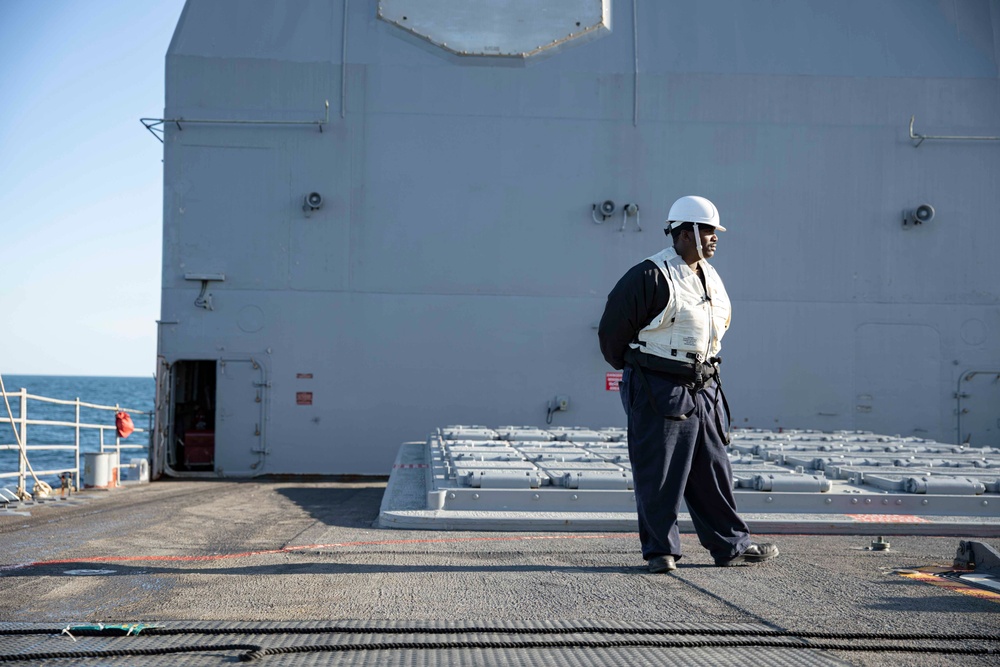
(385, 216)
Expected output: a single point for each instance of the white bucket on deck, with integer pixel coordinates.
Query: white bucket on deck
(100, 470)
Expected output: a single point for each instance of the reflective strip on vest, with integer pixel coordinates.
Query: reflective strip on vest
(693, 323)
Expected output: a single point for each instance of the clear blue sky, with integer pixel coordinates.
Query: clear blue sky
(81, 184)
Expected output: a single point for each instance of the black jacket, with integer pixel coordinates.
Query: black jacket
(640, 295)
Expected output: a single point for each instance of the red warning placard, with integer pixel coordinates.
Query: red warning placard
(612, 379)
(303, 398)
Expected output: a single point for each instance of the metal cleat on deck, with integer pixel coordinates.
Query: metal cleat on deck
(595, 479)
(791, 482)
(955, 486)
(502, 479)
(977, 556)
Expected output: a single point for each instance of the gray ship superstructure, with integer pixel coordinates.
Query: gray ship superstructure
(381, 217)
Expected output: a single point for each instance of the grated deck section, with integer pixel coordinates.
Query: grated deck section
(520, 477)
(429, 644)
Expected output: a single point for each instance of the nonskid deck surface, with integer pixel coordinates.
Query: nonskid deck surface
(282, 564)
(529, 478)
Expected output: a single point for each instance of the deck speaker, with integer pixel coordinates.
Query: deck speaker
(919, 215)
(312, 201)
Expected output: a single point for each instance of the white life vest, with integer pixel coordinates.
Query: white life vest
(695, 320)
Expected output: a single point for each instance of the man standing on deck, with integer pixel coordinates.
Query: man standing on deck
(663, 324)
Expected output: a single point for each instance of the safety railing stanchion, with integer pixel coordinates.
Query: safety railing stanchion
(118, 450)
(76, 443)
(22, 456)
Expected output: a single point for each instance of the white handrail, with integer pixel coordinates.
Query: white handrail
(37, 422)
(22, 422)
(82, 404)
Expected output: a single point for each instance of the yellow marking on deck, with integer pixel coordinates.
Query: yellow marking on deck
(930, 575)
(888, 518)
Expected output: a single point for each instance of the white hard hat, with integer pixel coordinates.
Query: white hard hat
(695, 209)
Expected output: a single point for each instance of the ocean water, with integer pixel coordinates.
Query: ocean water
(133, 394)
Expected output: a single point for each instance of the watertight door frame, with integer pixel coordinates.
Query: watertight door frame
(161, 418)
(242, 402)
(976, 415)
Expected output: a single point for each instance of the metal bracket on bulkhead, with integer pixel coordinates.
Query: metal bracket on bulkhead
(204, 299)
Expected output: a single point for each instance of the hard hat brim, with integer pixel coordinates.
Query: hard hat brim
(717, 227)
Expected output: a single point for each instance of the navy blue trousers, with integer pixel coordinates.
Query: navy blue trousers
(675, 460)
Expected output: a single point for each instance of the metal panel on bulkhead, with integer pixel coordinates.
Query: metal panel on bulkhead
(499, 28)
(217, 230)
(898, 378)
(978, 397)
(241, 417)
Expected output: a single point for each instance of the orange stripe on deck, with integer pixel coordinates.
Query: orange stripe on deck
(888, 518)
(951, 585)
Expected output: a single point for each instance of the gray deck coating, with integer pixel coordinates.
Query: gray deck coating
(242, 555)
